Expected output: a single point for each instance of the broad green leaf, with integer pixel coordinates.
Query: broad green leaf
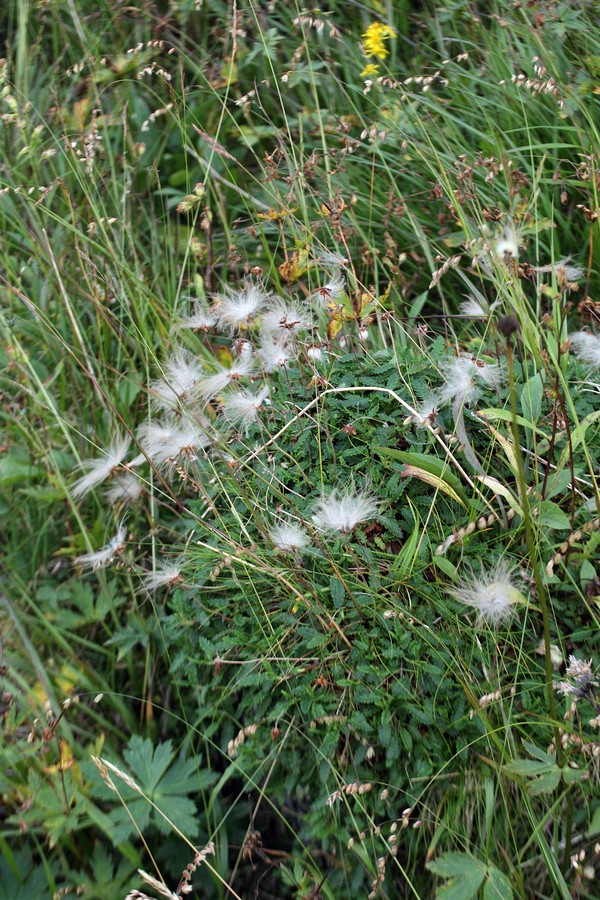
(497, 886)
(454, 864)
(531, 398)
(551, 515)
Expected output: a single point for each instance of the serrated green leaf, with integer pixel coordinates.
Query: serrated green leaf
(545, 784)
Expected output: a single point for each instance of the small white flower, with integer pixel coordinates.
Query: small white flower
(201, 319)
(283, 319)
(586, 347)
(583, 683)
(330, 293)
(563, 270)
(98, 470)
(165, 573)
(233, 309)
(287, 536)
(106, 554)
(276, 354)
(126, 487)
(492, 594)
(344, 510)
(241, 409)
(182, 373)
(211, 386)
(171, 446)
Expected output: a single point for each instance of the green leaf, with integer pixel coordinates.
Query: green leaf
(497, 885)
(456, 865)
(551, 516)
(337, 589)
(594, 828)
(531, 398)
(545, 784)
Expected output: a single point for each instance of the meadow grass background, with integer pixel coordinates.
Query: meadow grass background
(348, 716)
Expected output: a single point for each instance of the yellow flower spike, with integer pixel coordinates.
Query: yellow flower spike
(374, 40)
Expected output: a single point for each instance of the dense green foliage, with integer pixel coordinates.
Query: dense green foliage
(400, 703)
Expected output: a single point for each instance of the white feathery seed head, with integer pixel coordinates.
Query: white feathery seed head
(427, 411)
(492, 594)
(276, 354)
(241, 409)
(126, 487)
(343, 510)
(477, 307)
(461, 375)
(166, 572)
(211, 386)
(507, 243)
(586, 347)
(283, 318)
(287, 536)
(330, 292)
(98, 470)
(316, 354)
(201, 319)
(170, 446)
(106, 554)
(181, 374)
(563, 270)
(234, 309)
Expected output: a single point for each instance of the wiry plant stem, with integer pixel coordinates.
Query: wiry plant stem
(542, 593)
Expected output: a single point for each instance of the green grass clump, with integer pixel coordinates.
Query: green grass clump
(298, 483)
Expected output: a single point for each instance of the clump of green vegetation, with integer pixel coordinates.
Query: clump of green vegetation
(300, 450)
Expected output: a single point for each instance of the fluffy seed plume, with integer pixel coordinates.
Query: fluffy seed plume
(182, 374)
(563, 270)
(276, 354)
(106, 554)
(201, 320)
(343, 510)
(242, 408)
(234, 309)
(507, 244)
(492, 594)
(282, 319)
(461, 376)
(211, 386)
(330, 293)
(98, 470)
(165, 573)
(286, 536)
(126, 487)
(586, 347)
(477, 307)
(170, 446)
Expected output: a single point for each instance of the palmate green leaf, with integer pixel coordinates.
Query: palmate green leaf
(147, 763)
(466, 875)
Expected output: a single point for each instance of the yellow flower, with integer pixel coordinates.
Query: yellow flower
(370, 69)
(375, 37)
